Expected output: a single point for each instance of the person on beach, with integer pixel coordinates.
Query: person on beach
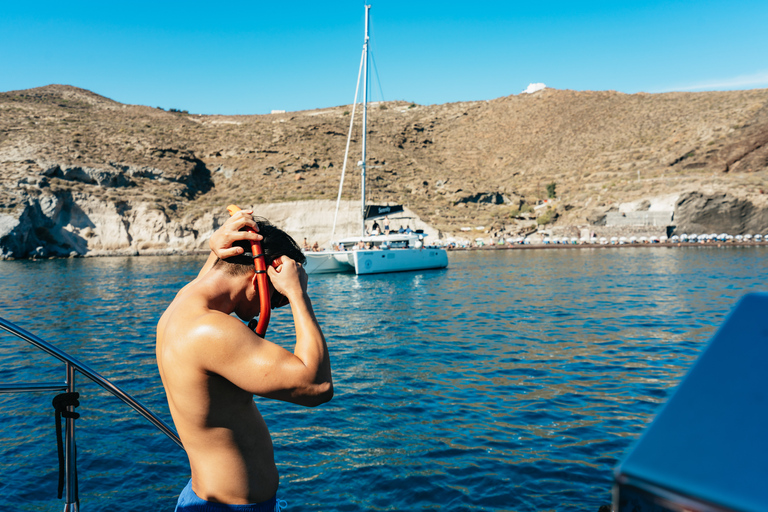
(212, 365)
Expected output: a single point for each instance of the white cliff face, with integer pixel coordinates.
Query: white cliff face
(8, 223)
(53, 209)
(75, 224)
(142, 229)
(107, 231)
(66, 210)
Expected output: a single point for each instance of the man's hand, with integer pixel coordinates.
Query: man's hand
(229, 232)
(288, 278)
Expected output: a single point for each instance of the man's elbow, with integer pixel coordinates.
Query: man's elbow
(321, 394)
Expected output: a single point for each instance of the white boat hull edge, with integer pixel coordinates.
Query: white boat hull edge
(329, 262)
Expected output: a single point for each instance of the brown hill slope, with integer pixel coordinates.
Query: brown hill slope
(455, 165)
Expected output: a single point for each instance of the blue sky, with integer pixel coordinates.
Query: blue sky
(253, 57)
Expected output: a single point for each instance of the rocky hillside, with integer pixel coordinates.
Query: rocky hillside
(84, 174)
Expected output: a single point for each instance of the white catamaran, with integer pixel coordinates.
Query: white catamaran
(377, 253)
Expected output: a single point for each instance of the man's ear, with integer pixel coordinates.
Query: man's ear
(255, 282)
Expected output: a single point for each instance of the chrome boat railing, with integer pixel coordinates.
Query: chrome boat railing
(72, 365)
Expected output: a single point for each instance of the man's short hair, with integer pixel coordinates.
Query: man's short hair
(276, 243)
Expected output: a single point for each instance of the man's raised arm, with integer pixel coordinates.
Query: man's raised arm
(230, 349)
(290, 279)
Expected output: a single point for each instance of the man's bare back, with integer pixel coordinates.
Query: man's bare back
(212, 364)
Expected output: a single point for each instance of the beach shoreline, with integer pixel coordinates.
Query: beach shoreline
(607, 246)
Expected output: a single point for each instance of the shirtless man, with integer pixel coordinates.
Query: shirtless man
(212, 365)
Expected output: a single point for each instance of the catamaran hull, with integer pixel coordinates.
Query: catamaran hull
(399, 260)
(375, 262)
(329, 262)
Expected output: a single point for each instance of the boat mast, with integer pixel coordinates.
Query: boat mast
(365, 116)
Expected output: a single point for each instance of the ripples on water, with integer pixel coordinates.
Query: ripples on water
(513, 380)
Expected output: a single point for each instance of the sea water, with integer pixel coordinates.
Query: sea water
(513, 380)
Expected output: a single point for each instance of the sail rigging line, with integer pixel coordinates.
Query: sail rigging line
(372, 53)
(376, 72)
(346, 151)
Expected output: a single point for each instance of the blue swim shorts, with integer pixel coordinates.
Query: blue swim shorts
(190, 502)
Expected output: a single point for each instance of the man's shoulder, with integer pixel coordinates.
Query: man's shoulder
(202, 339)
(187, 321)
(212, 324)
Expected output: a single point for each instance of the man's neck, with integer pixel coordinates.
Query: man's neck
(221, 291)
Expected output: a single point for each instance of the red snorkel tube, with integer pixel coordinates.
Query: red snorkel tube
(261, 278)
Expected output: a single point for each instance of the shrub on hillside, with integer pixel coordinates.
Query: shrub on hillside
(546, 218)
(552, 190)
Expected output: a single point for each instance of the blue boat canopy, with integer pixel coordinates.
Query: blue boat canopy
(708, 447)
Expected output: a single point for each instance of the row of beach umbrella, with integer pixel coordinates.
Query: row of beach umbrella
(684, 238)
